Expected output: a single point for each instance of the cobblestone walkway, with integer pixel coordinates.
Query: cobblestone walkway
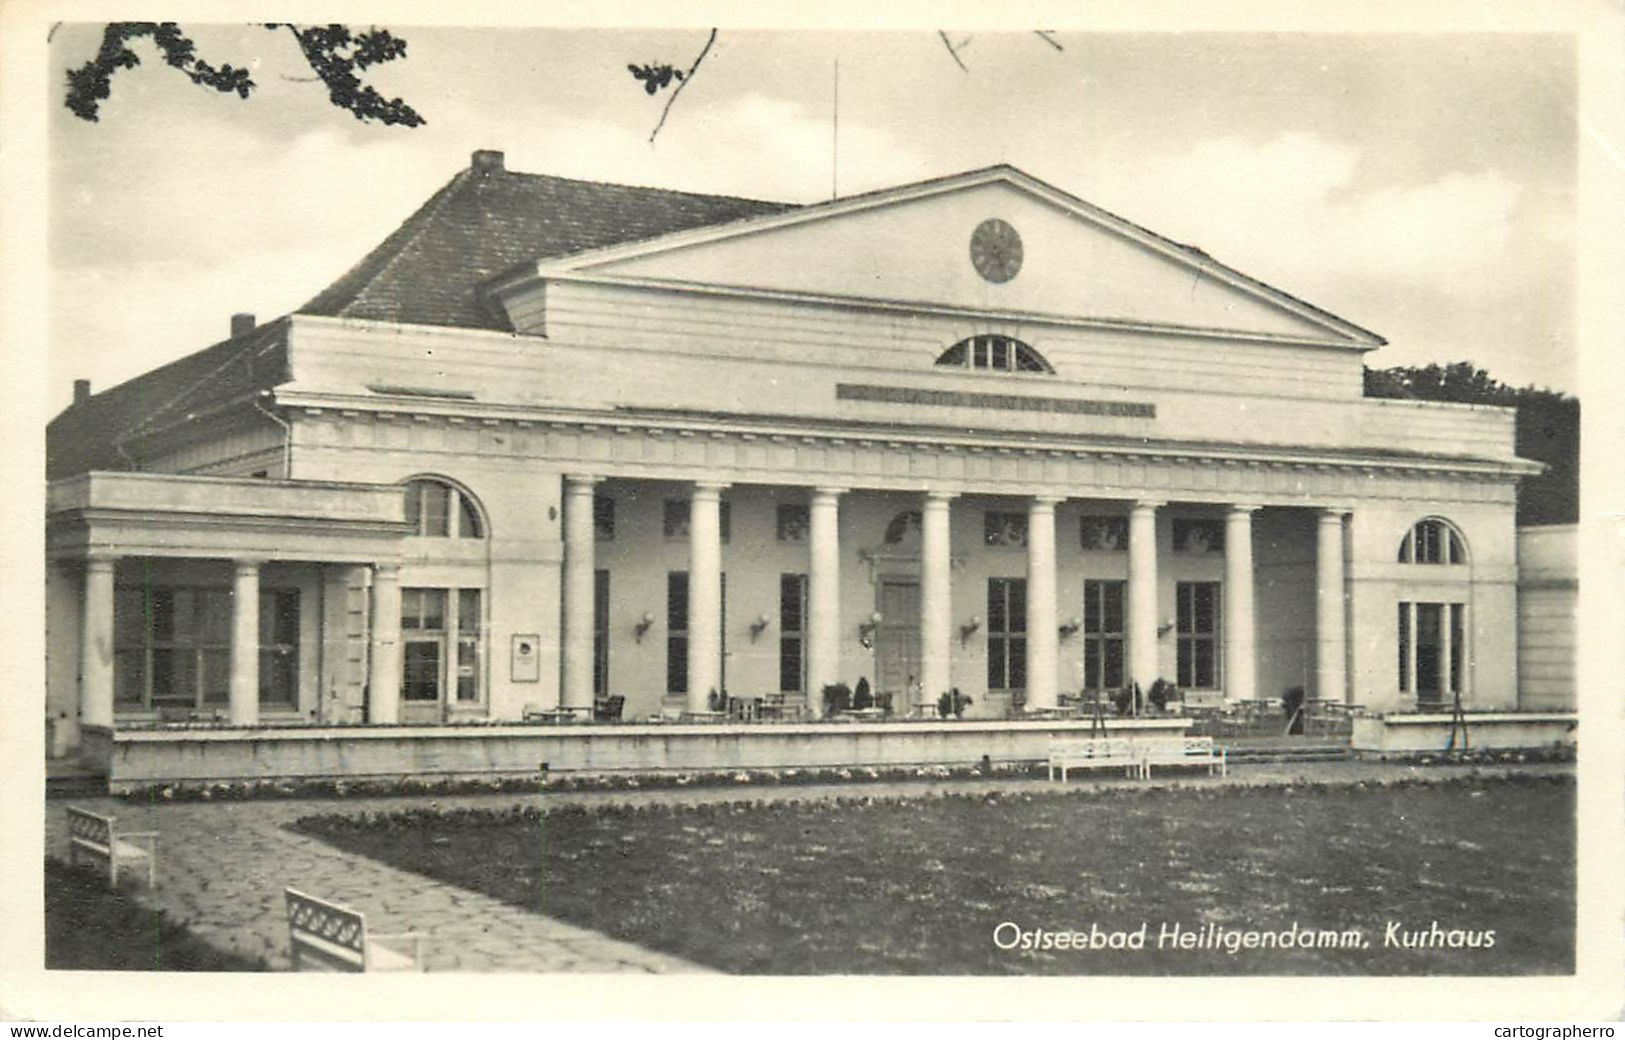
(222, 866)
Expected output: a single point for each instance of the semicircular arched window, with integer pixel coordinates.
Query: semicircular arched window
(995, 353)
(440, 509)
(1433, 540)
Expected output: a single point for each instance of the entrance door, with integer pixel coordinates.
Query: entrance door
(440, 650)
(897, 641)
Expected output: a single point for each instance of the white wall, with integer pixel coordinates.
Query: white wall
(1548, 591)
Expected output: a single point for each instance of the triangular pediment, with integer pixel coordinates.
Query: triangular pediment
(912, 246)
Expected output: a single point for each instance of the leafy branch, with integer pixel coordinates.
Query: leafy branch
(657, 76)
(334, 53)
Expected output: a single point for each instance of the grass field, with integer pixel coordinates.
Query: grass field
(922, 886)
(89, 927)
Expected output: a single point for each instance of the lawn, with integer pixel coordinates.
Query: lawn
(89, 927)
(923, 886)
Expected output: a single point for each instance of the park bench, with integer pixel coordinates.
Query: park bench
(1093, 753)
(97, 837)
(335, 938)
(1183, 751)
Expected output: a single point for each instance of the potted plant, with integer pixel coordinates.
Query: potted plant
(953, 703)
(862, 697)
(1128, 700)
(837, 698)
(1162, 691)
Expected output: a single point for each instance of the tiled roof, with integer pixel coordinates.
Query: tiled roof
(488, 220)
(89, 435)
(484, 221)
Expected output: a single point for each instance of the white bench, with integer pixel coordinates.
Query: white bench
(1183, 751)
(1094, 753)
(334, 938)
(97, 837)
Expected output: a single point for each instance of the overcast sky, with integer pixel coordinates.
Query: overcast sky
(1421, 186)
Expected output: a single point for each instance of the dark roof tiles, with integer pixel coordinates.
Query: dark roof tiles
(486, 222)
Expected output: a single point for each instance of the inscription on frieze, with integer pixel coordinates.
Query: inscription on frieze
(1007, 402)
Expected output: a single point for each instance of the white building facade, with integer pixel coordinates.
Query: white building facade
(971, 434)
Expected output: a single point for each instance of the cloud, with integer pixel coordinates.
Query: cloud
(1292, 207)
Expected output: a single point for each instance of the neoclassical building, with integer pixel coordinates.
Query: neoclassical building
(555, 441)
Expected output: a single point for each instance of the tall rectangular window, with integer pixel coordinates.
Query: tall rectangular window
(1432, 649)
(677, 632)
(1197, 625)
(1404, 648)
(600, 633)
(1006, 633)
(1103, 634)
(792, 633)
(172, 647)
(279, 648)
(603, 518)
(468, 645)
(423, 635)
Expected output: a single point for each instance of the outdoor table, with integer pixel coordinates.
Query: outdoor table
(744, 709)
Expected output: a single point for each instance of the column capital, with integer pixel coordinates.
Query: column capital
(823, 491)
(1333, 512)
(710, 488)
(1045, 501)
(247, 564)
(1243, 508)
(100, 562)
(938, 495)
(1148, 503)
(582, 480)
(386, 569)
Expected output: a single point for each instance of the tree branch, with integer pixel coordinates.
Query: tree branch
(686, 79)
(951, 52)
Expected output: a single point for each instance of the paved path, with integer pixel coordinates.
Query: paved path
(222, 866)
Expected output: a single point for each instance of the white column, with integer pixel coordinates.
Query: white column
(1042, 624)
(704, 594)
(96, 645)
(823, 595)
(384, 663)
(245, 644)
(575, 688)
(1240, 650)
(936, 598)
(1330, 634)
(1143, 664)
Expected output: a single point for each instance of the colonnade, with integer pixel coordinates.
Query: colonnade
(1143, 629)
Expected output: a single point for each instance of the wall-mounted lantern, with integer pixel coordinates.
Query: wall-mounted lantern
(970, 627)
(1070, 627)
(758, 626)
(642, 626)
(866, 630)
